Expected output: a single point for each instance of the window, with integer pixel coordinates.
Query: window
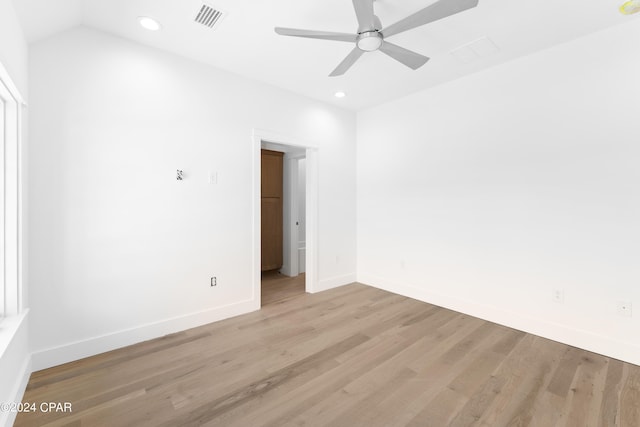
(10, 191)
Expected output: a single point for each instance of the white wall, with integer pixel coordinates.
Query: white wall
(121, 251)
(13, 46)
(485, 194)
(15, 363)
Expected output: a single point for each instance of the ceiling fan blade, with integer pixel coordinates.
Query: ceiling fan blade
(409, 58)
(438, 10)
(324, 35)
(347, 62)
(364, 12)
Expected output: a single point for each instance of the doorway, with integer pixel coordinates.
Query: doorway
(298, 272)
(282, 221)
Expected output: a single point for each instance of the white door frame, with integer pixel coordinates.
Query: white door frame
(311, 207)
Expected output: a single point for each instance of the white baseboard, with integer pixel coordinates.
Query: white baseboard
(301, 259)
(580, 338)
(8, 418)
(286, 270)
(334, 282)
(54, 356)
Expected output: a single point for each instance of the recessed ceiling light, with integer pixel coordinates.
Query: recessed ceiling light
(149, 23)
(340, 94)
(630, 7)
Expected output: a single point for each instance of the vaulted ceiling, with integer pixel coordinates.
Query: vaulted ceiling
(245, 42)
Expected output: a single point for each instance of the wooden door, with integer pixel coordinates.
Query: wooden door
(272, 209)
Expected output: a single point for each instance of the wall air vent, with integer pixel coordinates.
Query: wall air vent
(209, 16)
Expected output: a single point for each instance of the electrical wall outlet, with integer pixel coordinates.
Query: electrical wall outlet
(214, 281)
(558, 295)
(624, 308)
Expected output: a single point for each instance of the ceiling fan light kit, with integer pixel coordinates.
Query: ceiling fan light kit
(369, 41)
(371, 35)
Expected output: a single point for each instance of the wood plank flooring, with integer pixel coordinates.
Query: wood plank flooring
(352, 356)
(277, 287)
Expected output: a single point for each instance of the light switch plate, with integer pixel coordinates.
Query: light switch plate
(558, 295)
(213, 177)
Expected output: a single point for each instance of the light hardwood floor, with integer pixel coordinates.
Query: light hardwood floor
(352, 356)
(276, 287)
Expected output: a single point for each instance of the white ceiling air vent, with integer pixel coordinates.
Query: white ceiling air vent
(209, 16)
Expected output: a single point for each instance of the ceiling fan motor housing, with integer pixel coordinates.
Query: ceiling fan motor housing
(375, 25)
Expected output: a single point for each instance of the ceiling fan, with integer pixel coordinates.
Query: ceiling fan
(372, 35)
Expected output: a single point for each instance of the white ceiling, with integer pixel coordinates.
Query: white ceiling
(246, 44)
